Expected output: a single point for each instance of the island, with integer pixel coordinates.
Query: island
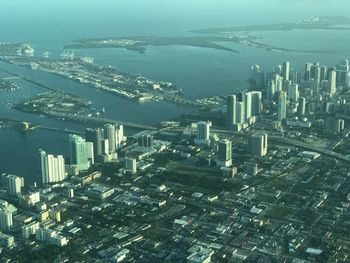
(140, 43)
(56, 104)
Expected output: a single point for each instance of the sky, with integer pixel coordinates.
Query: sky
(86, 18)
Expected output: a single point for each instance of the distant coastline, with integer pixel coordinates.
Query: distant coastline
(215, 38)
(321, 23)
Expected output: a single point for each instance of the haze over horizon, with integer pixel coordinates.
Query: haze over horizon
(83, 18)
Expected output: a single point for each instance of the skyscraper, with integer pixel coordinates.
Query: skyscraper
(203, 133)
(6, 219)
(52, 168)
(293, 92)
(278, 69)
(119, 136)
(256, 102)
(333, 125)
(332, 82)
(271, 90)
(294, 76)
(258, 144)
(130, 164)
(240, 112)
(110, 135)
(282, 106)
(81, 152)
(307, 73)
(14, 184)
(247, 99)
(315, 72)
(95, 136)
(315, 86)
(301, 106)
(231, 110)
(347, 80)
(145, 141)
(286, 70)
(224, 153)
(105, 147)
(324, 73)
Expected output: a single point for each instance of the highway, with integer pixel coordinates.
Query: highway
(310, 148)
(10, 78)
(102, 121)
(345, 133)
(326, 151)
(61, 130)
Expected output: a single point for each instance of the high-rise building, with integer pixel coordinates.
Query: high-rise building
(247, 99)
(324, 73)
(271, 90)
(257, 76)
(256, 102)
(52, 168)
(145, 141)
(293, 92)
(294, 76)
(14, 184)
(307, 72)
(119, 136)
(278, 69)
(6, 240)
(282, 106)
(90, 152)
(51, 237)
(224, 153)
(279, 84)
(333, 125)
(258, 144)
(240, 112)
(95, 136)
(332, 82)
(278, 80)
(342, 70)
(105, 147)
(130, 164)
(286, 70)
(347, 80)
(30, 229)
(315, 86)
(251, 168)
(203, 133)
(315, 72)
(110, 135)
(301, 106)
(81, 152)
(6, 219)
(231, 110)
